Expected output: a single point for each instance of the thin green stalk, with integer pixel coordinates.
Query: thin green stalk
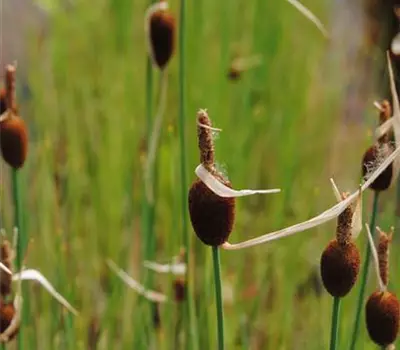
(191, 332)
(364, 276)
(20, 236)
(335, 323)
(148, 207)
(218, 296)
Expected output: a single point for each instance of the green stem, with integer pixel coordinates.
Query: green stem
(191, 332)
(148, 207)
(335, 323)
(17, 218)
(364, 276)
(218, 296)
(20, 236)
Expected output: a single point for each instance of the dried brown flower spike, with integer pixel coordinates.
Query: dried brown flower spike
(211, 197)
(382, 309)
(340, 261)
(160, 25)
(6, 258)
(13, 131)
(380, 150)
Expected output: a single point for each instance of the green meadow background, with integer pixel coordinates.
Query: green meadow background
(286, 123)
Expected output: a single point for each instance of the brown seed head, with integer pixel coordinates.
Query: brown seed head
(7, 312)
(383, 256)
(10, 87)
(371, 160)
(382, 317)
(6, 257)
(344, 224)
(206, 142)
(179, 290)
(162, 37)
(340, 264)
(14, 141)
(212, 216)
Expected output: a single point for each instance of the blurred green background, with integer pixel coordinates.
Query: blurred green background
(302, 116)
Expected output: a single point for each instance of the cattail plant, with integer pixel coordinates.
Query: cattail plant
(13, 131)
(160, 24)
(14, 147)
(160, 30)
(212, 205)
(340, 261)
(379, 167)
(389, 127)
(382, 310)
(380, 150)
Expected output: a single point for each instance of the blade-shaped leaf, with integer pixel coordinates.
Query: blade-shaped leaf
(34, 275)
(224, 191)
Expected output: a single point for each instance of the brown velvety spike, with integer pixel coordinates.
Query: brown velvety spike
(7, 312)
(3, 104)
(212, 216)
(382, 317)
(206, 141)
(370, 160)
(179, 290)
(340, 265)
(6, 257)
(14, 141)
(162, 37)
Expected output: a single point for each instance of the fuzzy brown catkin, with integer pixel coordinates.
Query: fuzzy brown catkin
(10, 87)
(344, 224)
(206, 142)
(383, 256)
(384, 115)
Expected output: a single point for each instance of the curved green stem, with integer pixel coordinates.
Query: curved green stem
(364, 276)
(335, 323)
(218, 296)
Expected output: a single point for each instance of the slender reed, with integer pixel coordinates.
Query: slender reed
(218, 296)
(335, 323)
(191, 332)
(20, 237)
(148, 208)
(361, 295)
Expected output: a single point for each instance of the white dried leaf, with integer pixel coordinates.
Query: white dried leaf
(136, 286)
(34, 275)
(224, 191)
